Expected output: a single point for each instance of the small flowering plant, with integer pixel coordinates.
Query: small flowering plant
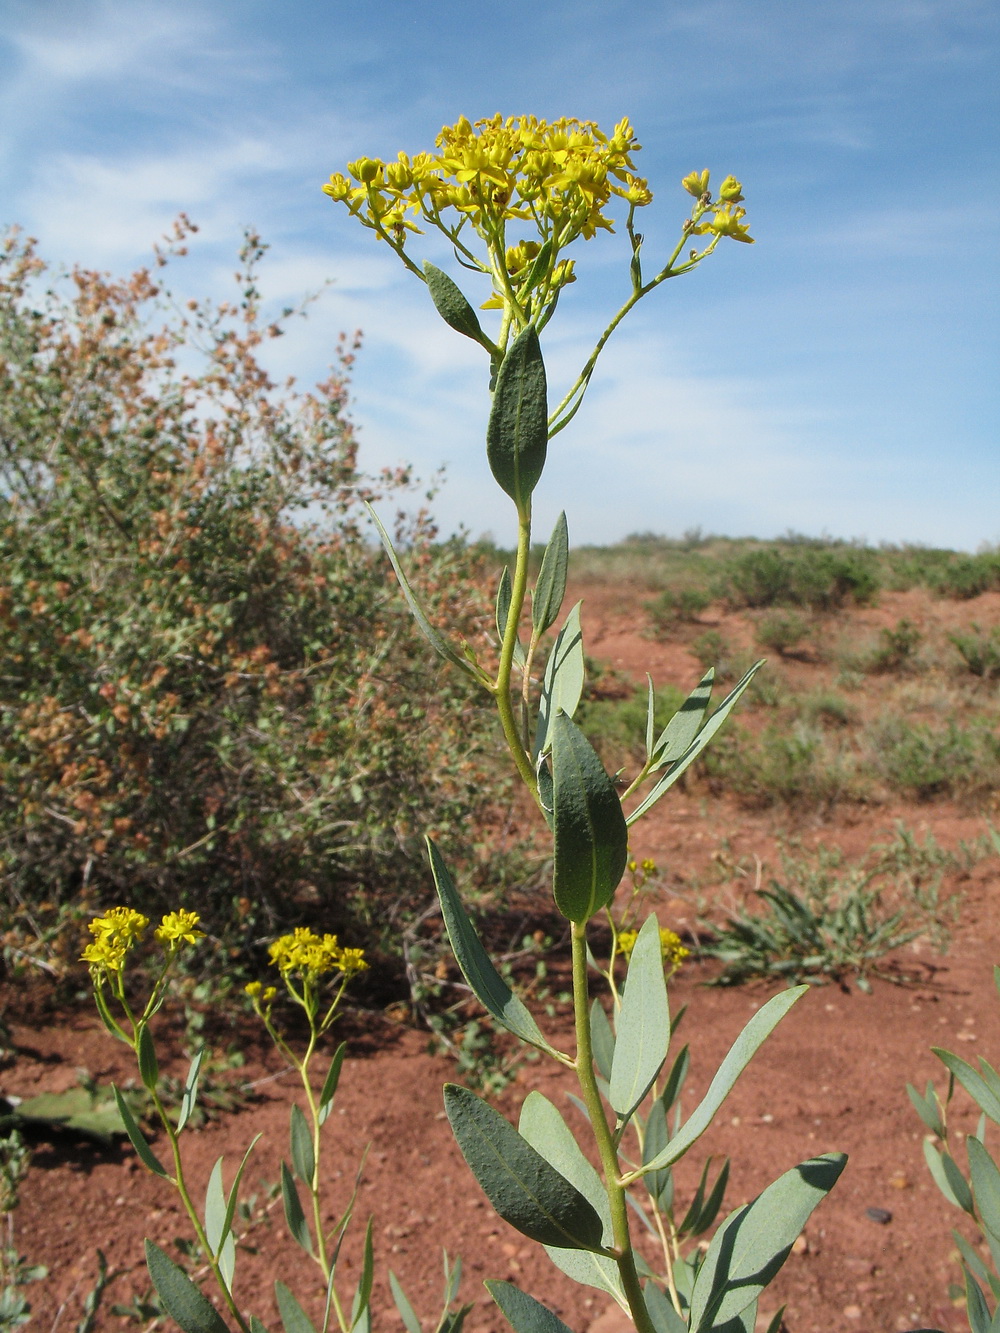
(511, 196)
(313, 972)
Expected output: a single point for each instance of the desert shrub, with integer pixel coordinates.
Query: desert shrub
(681, 605)
(967, 576)
(782, 765)
(823, 578)
(894, 650)
(781, 632)
(826, 707)
(979, 650)
(925, 762)
(209, 692)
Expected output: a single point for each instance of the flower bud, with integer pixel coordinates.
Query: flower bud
(696, 183)
(730, 191)
(365, 169)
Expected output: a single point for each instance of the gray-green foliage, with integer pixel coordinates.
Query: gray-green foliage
(969, 1180)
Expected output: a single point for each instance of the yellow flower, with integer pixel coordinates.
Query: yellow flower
(731, 191)
(696, 183)
(179, 927)
(313, 955)
(114, 934)
(726, 222)
(671, 948)
(253, 989)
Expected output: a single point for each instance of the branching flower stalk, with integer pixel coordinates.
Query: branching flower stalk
(510, 197)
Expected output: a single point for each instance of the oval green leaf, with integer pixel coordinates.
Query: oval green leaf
(523, 1312)
(517, 434)
(520, 1184)
(452, 306)
(591, 839)
(182, 1299)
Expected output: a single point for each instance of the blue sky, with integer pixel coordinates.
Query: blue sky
(840, 376)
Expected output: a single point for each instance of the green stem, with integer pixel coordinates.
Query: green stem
(180, 1185)
(625, 1255)
(501, 689)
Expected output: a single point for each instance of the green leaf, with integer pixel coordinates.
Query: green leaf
(972, 1081)
(650, 716)
(437, 640)
(227, 1221)
(948, 1178)
(517, 433)
(985, 1185)
(521, 1185)
(145, 1054)
(215, 1208)
(452, 306)
(406, 1311)
(539, 267)
(181, 1298)
(752, 1244)
(189, 1097)
(138, 1139)
(300, 1135)
(363, 1295)
(602, 1039)
(591, 840)
(78, 1109)
(523, 1312)
(504, 595)
(661, 1310)
(684, 762)
(547, 1132)
(643, 1023)
(676, 737)
(654, 1141)
(293, 1318)
(488, 986)
(976, 1309)
(329, 1089)
(678, 1073)
(742, 1051)
(710, 1209)
(256, 1326)
(926, 1108)
(294, 1215)
(550, 588)
(562, 684)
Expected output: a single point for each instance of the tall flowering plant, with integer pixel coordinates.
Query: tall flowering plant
(511, 196)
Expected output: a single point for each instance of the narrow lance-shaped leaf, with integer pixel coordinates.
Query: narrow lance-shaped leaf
(452, 305)
(489, 987)
(661, 1311)
(972, 1081)
(523, 1312)
(329, 1089)
(591, 840)
(707, 732)
(520, 1184)
(149, 1070)
(550, 588)
(301, 1144)
(294, 1216)
(683, 727)
(136, 1136)
(742, 1051)
(189, 1096)
(562, 684)
(750, 1247)
(406, 1311)
(650, 716)
(293, 1318)
(433, 636)
(183, 1301)
(363, 1294)
(926, 1108)
(985, 1185)
(518, 430)
(643, 1023)
(602, 1039)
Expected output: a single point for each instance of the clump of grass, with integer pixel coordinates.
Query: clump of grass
(826, 708)
(825, 921)
(794, 767)
(980, 650)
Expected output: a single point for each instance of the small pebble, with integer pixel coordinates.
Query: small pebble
(880, 1215)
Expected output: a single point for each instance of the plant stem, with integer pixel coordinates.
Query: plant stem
(501, 689)
(625, 1257)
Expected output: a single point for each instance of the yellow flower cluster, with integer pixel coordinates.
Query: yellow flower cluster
(114, 934)
(671, 947)
(120, 928)
(727, 219)
(558, 176)
(314, 955)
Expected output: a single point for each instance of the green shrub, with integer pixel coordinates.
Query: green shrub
(980, 650)
(210, 693)
(821, 578)
(924, 762)
(677, 606)
(781, 632)
(967, 576)
(780, 766)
